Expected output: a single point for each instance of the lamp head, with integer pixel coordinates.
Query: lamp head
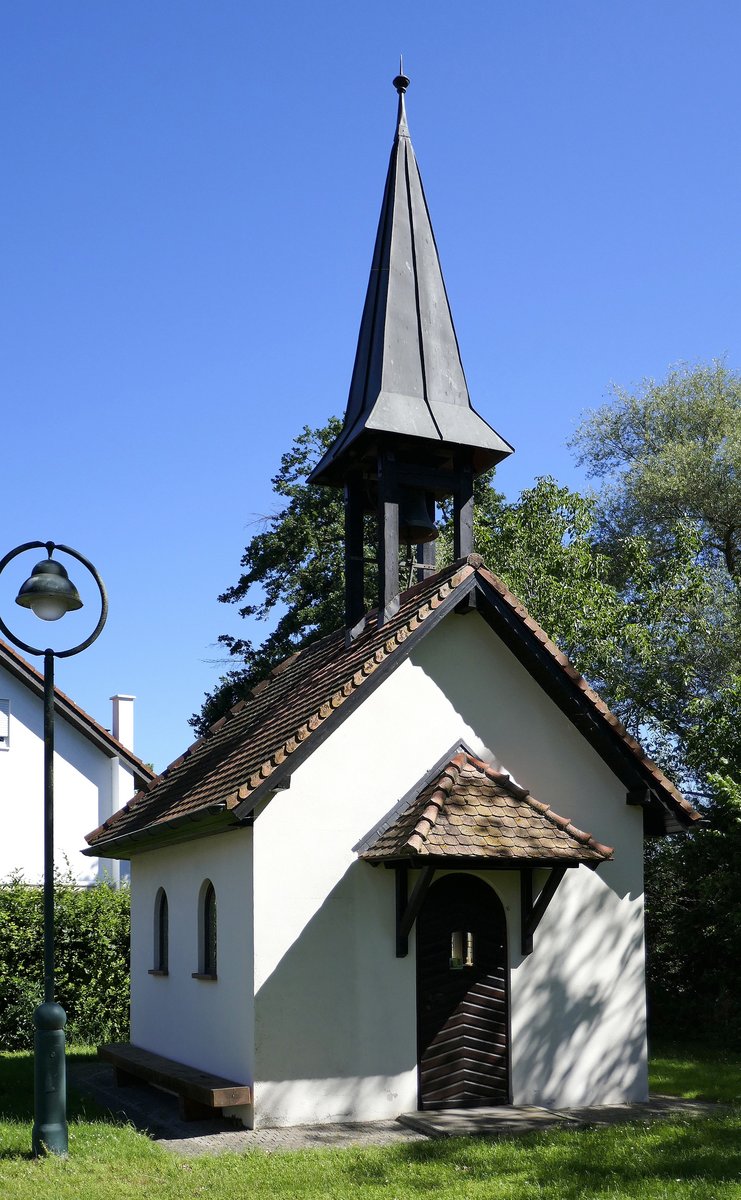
(48, 592)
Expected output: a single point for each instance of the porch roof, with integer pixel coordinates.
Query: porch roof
(470, 810)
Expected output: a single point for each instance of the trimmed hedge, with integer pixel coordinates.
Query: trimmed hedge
(91, 961)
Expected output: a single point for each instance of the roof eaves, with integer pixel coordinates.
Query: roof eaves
(27, 674)
(210, 819)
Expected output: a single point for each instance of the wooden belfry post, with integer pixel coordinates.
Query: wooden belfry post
(463, 513)
(354, 563)
(388, 537)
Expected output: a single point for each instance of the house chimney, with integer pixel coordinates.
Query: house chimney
(123, 720)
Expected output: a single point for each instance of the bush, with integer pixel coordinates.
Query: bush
(693, 925)
(91, 961)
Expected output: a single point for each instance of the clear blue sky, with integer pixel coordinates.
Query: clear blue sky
(189, 202)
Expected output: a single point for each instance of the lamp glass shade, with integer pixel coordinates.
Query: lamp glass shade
(48, 608)
(49, 592)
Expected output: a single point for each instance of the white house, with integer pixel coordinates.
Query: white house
(407, 870)
(95, 772)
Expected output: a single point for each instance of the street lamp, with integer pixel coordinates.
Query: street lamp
(49, 594)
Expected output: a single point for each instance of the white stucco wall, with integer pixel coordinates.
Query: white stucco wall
(578, 1024)
(87, 786)
(335, 1010)
(331, 1032)
(203, 1023)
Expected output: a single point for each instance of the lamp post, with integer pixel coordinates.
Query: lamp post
(49, 593)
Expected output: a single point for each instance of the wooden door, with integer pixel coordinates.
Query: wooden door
(462, 995)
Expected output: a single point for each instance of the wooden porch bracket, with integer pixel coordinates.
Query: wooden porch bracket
(532, 914)
(407, 907)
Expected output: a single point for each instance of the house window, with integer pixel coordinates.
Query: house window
(161, 934)
(206, 933)
(4, 724)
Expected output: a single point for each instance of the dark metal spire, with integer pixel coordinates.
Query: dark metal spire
(410, 435)
(408, 379)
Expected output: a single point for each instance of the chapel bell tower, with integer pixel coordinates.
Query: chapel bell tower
(411, 435)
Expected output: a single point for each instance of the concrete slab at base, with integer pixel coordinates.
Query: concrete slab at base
(495, 1121)
(508, 1121)
(647, 1110)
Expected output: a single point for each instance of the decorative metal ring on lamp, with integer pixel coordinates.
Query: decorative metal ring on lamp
(49, 590)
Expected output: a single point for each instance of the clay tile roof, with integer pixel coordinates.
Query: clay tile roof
(263, 738)
(473, 811)
(242, 750)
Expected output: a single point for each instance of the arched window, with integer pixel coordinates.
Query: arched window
(206, 932)
(161, 934)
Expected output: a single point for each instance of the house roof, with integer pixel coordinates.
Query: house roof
(27, 674)
(408, 378)
(252, 750)
(469, 810)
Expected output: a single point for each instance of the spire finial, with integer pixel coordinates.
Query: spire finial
(401, 83)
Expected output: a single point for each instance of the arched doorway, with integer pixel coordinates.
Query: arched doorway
(462, 995)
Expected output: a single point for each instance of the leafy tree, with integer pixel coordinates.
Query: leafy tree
(713, 742)
(671, 452)
(292, 568)
(669, 460)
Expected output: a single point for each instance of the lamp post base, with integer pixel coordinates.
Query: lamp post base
(50, 1082)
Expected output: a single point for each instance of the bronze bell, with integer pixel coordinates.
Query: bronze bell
(416, 516)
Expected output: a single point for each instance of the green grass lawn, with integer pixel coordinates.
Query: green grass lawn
(696, 1071)
(675, 1160)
